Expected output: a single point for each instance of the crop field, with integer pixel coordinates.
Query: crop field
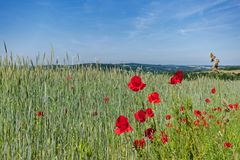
(95, 113)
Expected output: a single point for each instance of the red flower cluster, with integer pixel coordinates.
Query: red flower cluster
(233, 106)
(139, 143)
(197, 123)
(154, 98)
(136, 84)
(142, 115)
(177, 78)
(201, 118)
(123, 125)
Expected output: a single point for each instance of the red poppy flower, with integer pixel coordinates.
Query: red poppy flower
(106, 99)
(219, 122)
(40, 114)
(168, 117)
(196, 122)
(140, 116)
(236, 106)
(227, 145)
(164, 137)
(213, 90)
(182, 109)
(203, 118)
(123, 125)
(207, 100)
(136, 84)
(210, 116)
(197, 113)
(149, 112)
(205, 124)
(183, 119)
(214, 109)
(139, 143)
(177, 78)
(217, 109)
(231, 106)
(204, 112)
(154, 98)
(149, 133)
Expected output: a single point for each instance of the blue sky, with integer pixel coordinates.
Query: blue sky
(118, 31)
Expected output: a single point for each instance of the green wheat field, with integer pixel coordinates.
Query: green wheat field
(70, 113)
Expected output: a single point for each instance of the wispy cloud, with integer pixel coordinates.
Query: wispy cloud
(196, 8)
(156, 13)
(150, 14)
(184, 31)
(143, 22)
(223, 8)
(216, 18)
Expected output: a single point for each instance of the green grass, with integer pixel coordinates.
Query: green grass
(78, 124)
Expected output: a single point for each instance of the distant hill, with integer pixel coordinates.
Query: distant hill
(156, 68)
(190, 71)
